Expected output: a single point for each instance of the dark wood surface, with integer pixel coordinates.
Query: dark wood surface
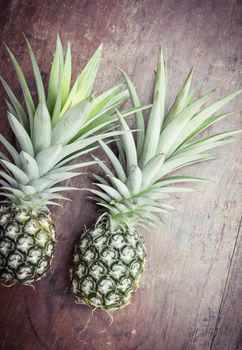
(191, 294)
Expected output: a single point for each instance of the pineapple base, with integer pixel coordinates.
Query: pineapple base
(107, 268)
(27, 241)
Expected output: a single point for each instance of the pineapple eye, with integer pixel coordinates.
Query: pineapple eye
(25, 243)
(113, 297)
(2, 261)
(84, 243)
(106, 284)
(140, 251)
(34, 255)
(4, 218)
(49, 249)
(87, 285)
(81, 270)
(31, 227)
(22, 216)
(6, 245)
(44, 222)
(131, 239)
(76, 257)
(100, 241)
(125, 283)
(8, 276)
(75, 286)
(43, 266)
(128, 253)
(41, 238)
(135, 267)
(89, 254)
(11, 230)
(109, 255)
(25, 271)
(95, 301)
(97, 232)
(98, 270)
(14, 260)
(118, 241)
(118, 270)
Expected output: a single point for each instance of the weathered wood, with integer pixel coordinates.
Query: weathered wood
(190, 295)
(228, 334)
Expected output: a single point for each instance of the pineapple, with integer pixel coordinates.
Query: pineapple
(66, 124)
(110, 256)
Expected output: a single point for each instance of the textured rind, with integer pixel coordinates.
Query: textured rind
(108, 264)
(27, 241)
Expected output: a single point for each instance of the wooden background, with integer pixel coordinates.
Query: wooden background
(192, 287)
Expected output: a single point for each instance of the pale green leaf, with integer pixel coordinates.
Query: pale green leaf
(8, 195)
(179, 162)
(114, 160)
(48, 158)
(197, 121)
(28, 190)
(18, 174)
(100, 179)
(55, 79)
(13, 111)
(63, 188)
(14, 191)
(120, 187)
(29, 166)
(177, 179)
(27, 96)
(37, 75)
(209, 122)
(77, 146)
(56, 115)
(70, 123)
(22, 116)
(151, 169)
(104, 100)
(66, 78)
(8, 178)
(156, 117)
(100, 194)
(87, 78)
(50, 180)
(173, 189)
(207, 143)
(4, 157)
(21, 135)
(106, 170)
(72, 167)
(77, 154)
(42, 128)
(121, 154)
(182, 100)
(134, 180)
(138, 115)
(110, 191)
(168, 138)
(128, 143)
(11, 150)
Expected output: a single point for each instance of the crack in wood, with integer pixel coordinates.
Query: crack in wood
(225, 286)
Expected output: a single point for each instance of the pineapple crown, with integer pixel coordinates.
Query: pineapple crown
(66, 124)
(134, 193)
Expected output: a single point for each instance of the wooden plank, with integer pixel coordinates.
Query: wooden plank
(179, 302)
(227, 333)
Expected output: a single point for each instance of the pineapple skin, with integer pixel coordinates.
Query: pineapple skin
(27, 242)
(107, 267)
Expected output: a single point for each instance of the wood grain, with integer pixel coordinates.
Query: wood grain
(190, 298)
